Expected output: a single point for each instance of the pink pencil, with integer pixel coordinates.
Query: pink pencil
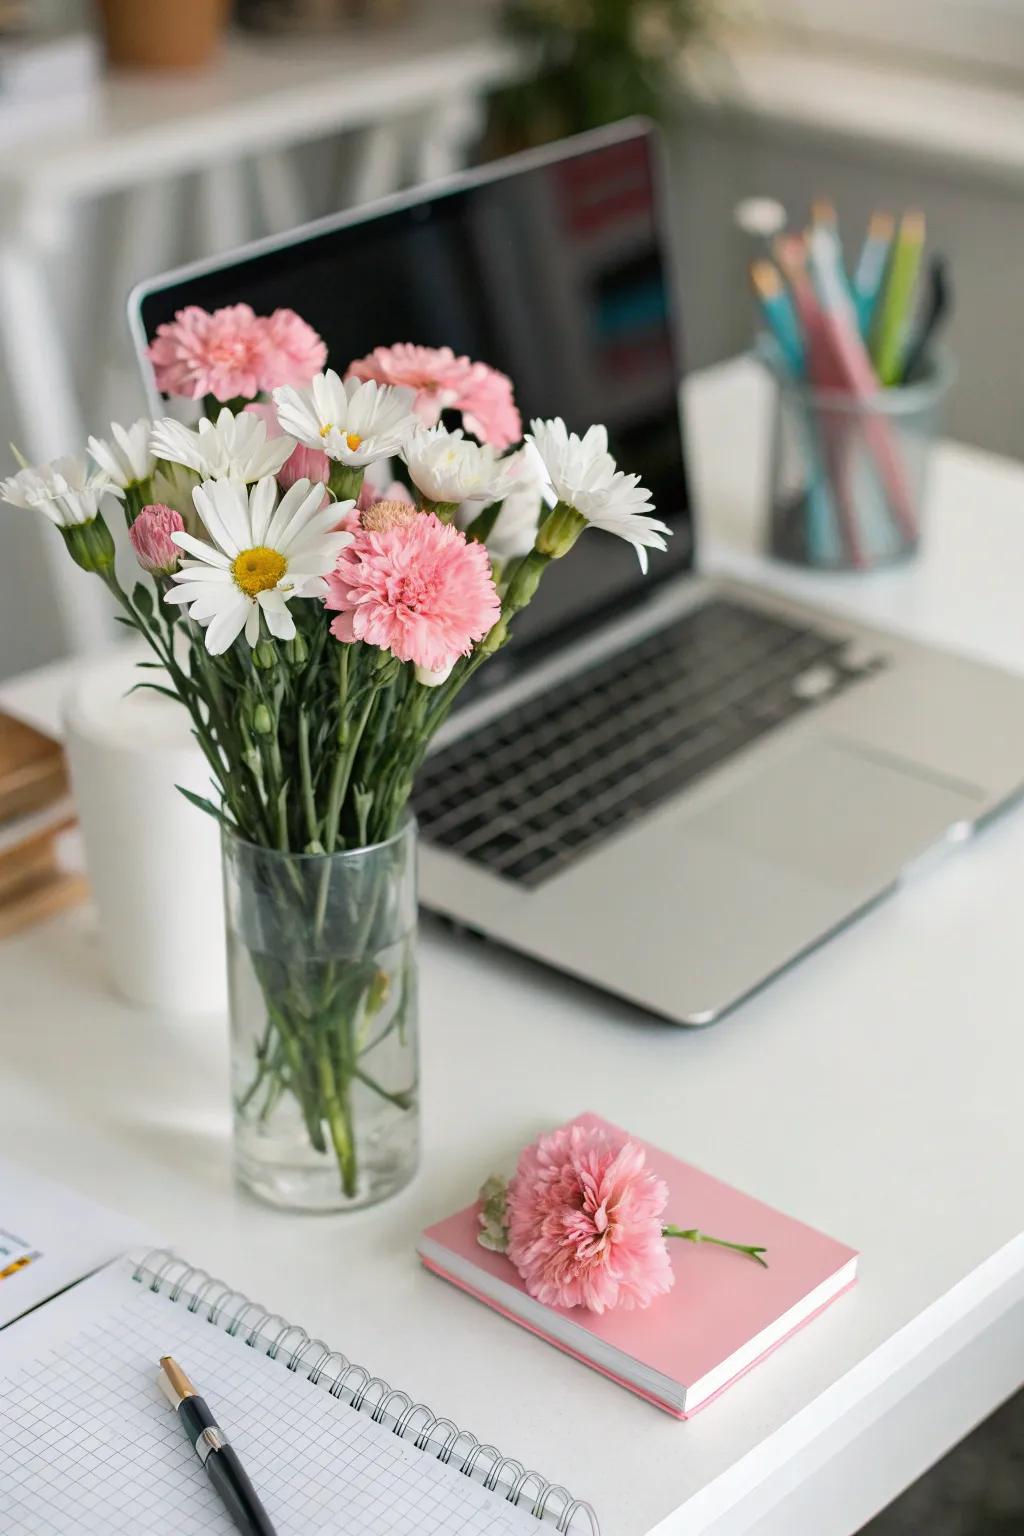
(825, 371)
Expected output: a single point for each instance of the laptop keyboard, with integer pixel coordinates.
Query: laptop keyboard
(547, 781)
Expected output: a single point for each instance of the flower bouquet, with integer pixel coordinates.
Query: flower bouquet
(327, 560)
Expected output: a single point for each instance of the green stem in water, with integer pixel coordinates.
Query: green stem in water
(401, 1098)
(339, 1121)
(692, 1235)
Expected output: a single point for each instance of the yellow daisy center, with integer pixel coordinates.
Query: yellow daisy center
(257, 570)
(353, 439)
(327, 429)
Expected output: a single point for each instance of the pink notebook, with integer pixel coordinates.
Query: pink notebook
(723, 1314)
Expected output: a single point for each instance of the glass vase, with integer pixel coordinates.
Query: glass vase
(324, 1050)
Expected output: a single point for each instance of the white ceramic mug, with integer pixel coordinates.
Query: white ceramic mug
(153, 859)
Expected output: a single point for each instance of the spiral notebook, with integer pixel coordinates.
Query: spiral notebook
(91, 1447)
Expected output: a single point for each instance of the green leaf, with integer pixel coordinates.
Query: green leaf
(207, 806)
(142, 597)
(155, 688)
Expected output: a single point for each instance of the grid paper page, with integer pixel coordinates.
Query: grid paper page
(88, 1443)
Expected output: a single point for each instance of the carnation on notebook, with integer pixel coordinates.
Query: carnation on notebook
(577, 1249)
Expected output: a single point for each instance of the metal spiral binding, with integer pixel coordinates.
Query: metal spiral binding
(269, 1331)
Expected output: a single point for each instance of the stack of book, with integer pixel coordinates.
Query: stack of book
(40, 857)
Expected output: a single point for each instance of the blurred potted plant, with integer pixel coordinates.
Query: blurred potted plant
(184, 35)
(597, 61)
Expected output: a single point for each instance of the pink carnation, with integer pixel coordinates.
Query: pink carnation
(293, 352)
(150, 536)
(303, 463)
(234, 353)
(418, 590)
(489, 410)
(585, 1222)
(443, 382)
(219, 354)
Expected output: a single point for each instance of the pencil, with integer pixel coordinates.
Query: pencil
(896, 298)
(870, 273)
(779, 314)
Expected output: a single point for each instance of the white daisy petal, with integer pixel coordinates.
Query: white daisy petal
(583, 475)
(298, 504)
(448, 467)
(235, 447)
(350, 420)
(260, 559)
(205, 552)
(191, 570)
(279, 620)
(65, 491)
(227, 626)
(261, 506)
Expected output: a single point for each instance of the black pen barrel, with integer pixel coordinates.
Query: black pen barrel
(240, 1498)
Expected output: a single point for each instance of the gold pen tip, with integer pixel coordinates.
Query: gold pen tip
(174, 1381)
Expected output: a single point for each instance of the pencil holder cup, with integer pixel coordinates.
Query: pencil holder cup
(848, 474)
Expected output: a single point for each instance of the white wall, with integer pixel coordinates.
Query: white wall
(977, 220)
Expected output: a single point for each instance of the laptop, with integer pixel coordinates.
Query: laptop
(668, 786)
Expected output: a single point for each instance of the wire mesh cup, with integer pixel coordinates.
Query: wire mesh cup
(848, 475)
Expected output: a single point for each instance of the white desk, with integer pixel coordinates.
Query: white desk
(875, 1091)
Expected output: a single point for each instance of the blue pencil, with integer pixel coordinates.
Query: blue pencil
(780, 316)
(870, 274)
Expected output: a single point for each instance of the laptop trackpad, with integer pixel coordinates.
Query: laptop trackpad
(837, 813)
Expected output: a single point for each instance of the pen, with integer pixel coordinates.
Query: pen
(210, 1444)
(936, 307)
(896, 297)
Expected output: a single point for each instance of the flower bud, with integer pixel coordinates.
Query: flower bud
(90, 545)
(150, 536)
(296, 650)
(265, 655)
(559, 531)
(262, 720)
(434, 679)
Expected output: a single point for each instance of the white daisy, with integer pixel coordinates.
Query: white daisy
(515, 530)
(127, 459)
(582, 474)
(234, 447)
(448, 467)
(64, 491)
(263, 553)
(350, 421)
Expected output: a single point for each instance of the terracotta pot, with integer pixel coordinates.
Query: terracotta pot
(152, 34)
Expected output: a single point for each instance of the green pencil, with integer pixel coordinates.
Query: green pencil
(897, 295)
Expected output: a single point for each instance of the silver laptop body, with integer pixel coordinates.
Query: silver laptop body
(670, 790)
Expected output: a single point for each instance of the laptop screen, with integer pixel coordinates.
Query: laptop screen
(551, 270)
